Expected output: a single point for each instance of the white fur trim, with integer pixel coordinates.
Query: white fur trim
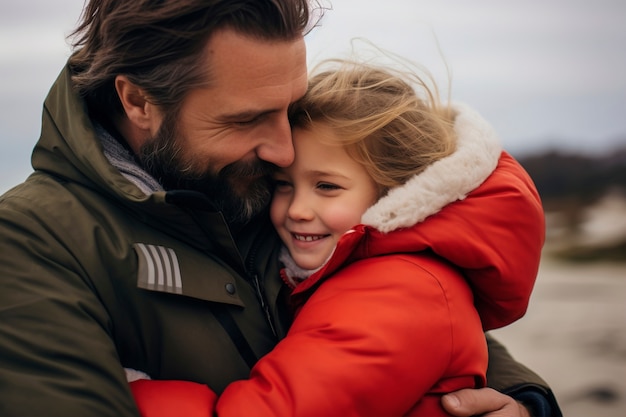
(443, 182)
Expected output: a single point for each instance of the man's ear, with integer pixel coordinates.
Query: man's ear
(142, 114)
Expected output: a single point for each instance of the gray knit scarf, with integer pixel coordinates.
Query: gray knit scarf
(122, 159)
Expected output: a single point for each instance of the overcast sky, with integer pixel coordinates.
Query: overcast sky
(546, 74)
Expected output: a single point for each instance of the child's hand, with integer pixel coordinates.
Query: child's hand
(156, 398)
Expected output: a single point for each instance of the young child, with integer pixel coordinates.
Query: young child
(408, 233)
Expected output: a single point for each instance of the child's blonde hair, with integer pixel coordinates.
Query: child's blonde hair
(379, 118)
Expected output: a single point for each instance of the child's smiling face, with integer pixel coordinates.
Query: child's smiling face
(319, 197)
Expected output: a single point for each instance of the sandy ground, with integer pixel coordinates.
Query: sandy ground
(574, 336)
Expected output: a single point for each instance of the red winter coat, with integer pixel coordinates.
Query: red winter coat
(396, 317)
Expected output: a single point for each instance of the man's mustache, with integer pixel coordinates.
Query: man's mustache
(246, 169)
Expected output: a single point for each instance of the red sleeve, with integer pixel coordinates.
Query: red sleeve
(156, 398)
(372, 340)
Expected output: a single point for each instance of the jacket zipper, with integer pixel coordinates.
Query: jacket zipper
(192, 200)
(204, 203)
(264, 305)
(260, 291)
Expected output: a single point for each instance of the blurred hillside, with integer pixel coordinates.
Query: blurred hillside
(584, 197)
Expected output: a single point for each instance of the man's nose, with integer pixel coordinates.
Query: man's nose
(278, 147)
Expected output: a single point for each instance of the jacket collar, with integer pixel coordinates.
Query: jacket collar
(73, 149)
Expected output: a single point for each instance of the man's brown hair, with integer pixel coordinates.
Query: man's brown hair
(159, 45)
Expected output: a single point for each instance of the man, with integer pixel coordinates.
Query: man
(141, 240)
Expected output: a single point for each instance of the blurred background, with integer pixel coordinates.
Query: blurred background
(548, 75)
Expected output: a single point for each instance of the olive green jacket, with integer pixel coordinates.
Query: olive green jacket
(96, 276)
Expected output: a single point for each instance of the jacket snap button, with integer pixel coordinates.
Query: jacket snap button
(230, 288)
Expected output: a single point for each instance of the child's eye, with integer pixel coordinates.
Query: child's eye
(328, 186)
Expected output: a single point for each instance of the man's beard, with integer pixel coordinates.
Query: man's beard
(239, 190)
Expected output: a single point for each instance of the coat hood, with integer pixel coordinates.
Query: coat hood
(70, 150)
(447, 180)
(477, 209)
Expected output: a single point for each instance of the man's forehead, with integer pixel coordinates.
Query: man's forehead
(249, 77)
(234, 55)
